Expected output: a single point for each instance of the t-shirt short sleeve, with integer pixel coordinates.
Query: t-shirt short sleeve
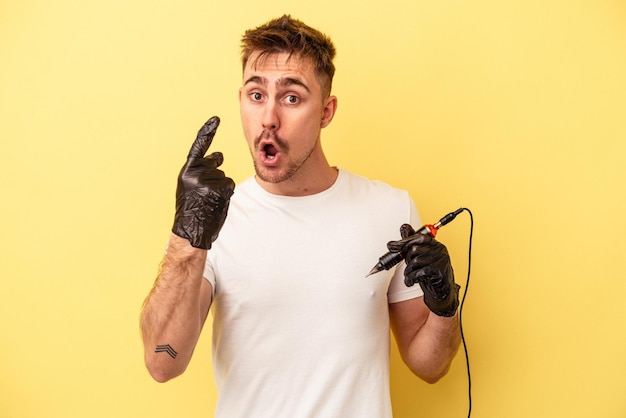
(398, 291)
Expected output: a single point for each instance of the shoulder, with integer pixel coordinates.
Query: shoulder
(356, 183)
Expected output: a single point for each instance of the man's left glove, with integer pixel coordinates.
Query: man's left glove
(203, 192)
(428, 263)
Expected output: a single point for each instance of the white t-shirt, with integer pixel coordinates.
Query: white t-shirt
(298, 329)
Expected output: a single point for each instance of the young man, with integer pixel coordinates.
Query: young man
(298, 331)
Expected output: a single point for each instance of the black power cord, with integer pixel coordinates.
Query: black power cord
(469, 269)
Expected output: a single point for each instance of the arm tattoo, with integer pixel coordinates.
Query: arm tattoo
(166, 349)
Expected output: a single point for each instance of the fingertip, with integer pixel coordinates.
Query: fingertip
(210, 126)
(406, 230)
(218, 157)
(213, 120)
(204, 138)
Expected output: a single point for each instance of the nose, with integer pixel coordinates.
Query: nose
(271, 120)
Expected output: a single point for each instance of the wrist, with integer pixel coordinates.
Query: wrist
(180, 248)
(446, 322)
(443, 304)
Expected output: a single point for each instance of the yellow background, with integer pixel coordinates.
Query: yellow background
(515, 109)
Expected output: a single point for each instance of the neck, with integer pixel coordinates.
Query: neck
(303, 184)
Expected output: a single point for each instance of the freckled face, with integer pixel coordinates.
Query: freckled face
(282, 113)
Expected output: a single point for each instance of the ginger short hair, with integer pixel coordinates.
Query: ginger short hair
(286, 34)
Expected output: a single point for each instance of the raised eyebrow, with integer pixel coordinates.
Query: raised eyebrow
(291, 81)
(281, 82)
(256, 79)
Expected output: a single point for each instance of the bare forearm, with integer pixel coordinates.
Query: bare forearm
(436, 343)
(174, 311)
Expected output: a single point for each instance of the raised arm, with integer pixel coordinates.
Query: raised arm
(178, 304)
(427, 329)
(175, 310)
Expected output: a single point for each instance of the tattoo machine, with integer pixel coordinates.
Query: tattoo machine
(390, 259)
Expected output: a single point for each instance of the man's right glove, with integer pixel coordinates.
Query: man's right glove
(428, 263)
(203, 192)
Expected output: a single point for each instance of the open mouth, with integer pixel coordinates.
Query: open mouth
(270, 151)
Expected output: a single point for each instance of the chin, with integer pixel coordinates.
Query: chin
(268, 175)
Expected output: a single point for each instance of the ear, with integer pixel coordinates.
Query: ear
(240, 88)
(328, 111)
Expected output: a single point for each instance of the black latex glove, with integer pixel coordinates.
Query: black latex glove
(428, 263)
(203, 192)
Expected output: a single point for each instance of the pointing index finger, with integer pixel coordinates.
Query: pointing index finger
(204, 138)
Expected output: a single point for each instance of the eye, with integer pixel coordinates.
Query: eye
(291, 99)
(256, 96)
